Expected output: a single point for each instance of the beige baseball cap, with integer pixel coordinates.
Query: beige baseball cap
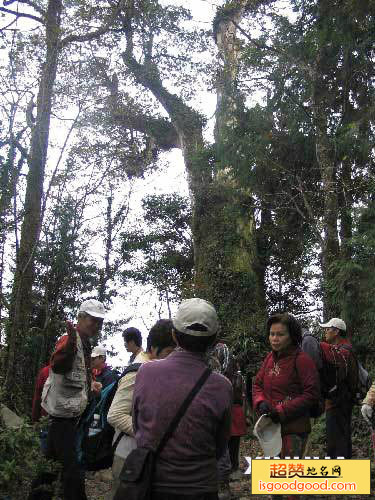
(196, 312)
(335, 323)
(93, 308)
(269, 436)
(98, 351)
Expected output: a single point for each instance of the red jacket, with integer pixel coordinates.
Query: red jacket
(289, 382)
(37, 410)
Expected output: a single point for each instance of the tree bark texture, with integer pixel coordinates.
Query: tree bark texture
(325, 155)
(223, 225)
(21, 303)
(240, 259)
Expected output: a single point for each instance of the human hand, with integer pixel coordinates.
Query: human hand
(96, 387)
(264, 408)
(274, 416)
(71, 331)
(367, 412)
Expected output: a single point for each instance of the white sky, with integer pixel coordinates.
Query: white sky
(171, 179)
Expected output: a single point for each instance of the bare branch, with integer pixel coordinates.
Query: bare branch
(22, 14)
(27, 2)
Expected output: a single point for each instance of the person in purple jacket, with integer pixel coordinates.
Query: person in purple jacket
(186, 469)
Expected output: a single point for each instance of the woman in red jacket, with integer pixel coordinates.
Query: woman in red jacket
(287, 384)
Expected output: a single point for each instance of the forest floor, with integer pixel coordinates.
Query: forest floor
(100, 484)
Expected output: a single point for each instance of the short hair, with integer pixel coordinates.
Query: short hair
(194, 344)
(160, 335)
(133, 334)
(342, 333)
(82, 315)
(293, 326)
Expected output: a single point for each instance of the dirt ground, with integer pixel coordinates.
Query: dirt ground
(100, 484)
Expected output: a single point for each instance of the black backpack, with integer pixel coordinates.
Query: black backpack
(96, 452)
(318, 408)
(344, 381)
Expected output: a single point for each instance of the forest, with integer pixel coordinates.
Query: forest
(279, 208)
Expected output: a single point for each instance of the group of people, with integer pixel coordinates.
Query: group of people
(203, 452)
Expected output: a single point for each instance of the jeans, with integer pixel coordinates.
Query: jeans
(234, 452)
(339, 432)
(61, 446)
(224, 467)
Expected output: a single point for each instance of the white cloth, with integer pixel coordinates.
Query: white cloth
(367, 411)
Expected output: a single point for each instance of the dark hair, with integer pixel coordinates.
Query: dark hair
(294, 328)
(133, 334)
(194, 344)
(342, 333)
(160, 335)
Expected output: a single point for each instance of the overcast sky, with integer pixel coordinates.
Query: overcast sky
(171, 179)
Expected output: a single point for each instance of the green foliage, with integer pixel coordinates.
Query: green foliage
(161, 255)
(21, 461)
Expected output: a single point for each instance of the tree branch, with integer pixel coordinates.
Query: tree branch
(148, 76)
(160, 129)
(93, 34)
(27, 2)
(22, 14)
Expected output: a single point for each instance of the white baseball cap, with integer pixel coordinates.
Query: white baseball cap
(93, 308)
(336, 323)
(269, 436)
(196, 312)
(98, 351)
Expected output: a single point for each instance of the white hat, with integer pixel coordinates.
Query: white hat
(269, 436)
(336, 323)
(98, 351)
(93, 308)
(196, 312)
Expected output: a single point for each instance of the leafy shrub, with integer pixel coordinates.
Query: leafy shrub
(21, 461)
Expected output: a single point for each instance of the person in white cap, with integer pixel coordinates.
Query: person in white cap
(186, 468)
(66, 394)
(101, 372)
(340, 378)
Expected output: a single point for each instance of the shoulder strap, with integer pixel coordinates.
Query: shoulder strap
(181, 412)
(131, 368)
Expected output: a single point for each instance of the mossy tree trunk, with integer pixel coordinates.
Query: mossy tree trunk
(21, 301)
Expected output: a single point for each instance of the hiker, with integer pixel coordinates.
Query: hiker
(221, 360)
(287, 384)
(101, 372)
(65, 397)
(186, 468)
(133, 342)
(341, 372)
(368, 404)
(238, 421)
(159, 345)
(310, 345)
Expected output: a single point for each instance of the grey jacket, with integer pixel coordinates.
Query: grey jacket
(66, 396)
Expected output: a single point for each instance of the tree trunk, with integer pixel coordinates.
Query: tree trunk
(105, 274)
(325, 156)
(242, 271)
(21, 302)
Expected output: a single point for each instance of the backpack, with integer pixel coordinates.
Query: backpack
(363, 379)
(344, 380)
(318, 408)
(96, 451)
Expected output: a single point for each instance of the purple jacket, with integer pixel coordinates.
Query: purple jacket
(188, 464)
